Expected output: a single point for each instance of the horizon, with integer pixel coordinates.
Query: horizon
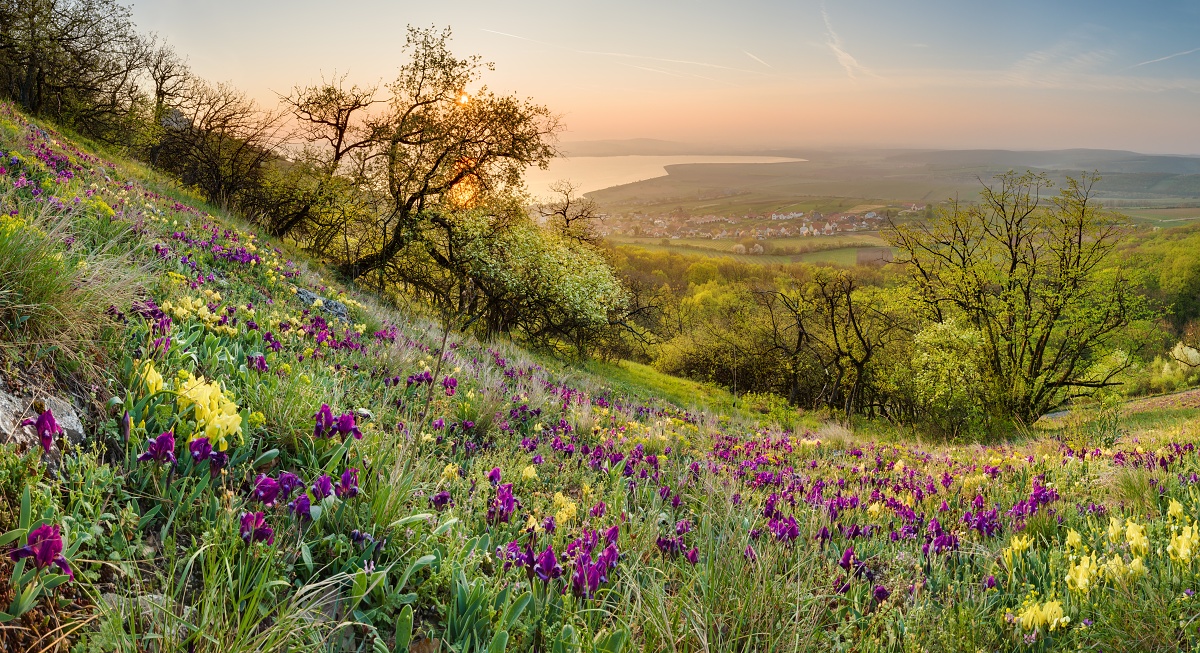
(771, 75)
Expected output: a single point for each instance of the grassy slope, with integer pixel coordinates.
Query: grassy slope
(768, 514)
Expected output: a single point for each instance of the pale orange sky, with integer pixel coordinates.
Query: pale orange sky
(758, 73)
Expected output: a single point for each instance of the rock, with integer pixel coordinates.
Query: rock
(13, 410)
(332, 306)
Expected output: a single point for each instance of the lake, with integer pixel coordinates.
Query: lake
(595, 172)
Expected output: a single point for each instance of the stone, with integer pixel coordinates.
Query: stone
(13, 410)
(332, 306)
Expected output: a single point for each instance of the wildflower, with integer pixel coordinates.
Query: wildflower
(1135, 533)
(1138, 567)
(749, 553)
(255, 529)
(325, 424)
(440, 500)
(1175, 511)
(503, 506)
(692, 555)
(565, 508)
(44, 544)
(1114, 530)
(1184, 544)
(160, 449)
(346, 426)
(597, 510)
(302, 506)
(450, 472)
(47, 428)
(151, 378)
(880, 593)
(322, 487)
(450, 384)
(289, 482)
(347, 487)
(266, 490)
(546, 566)
(216, 462)
(529, 473)
(1083, 574)
(200, 449)
(494, 476)
(217, 417)
(989, 583)
(1074, 540)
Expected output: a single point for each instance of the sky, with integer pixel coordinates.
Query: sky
(754, 74)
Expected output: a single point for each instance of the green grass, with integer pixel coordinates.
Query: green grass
(644, 380)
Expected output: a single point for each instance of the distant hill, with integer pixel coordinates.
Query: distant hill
(1116, 161)
(1128, 179)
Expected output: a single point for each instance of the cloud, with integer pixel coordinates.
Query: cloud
(751, 55)
(1169, 56)
(848, 62)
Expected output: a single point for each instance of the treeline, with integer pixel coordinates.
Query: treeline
(991, 314)
(414, 188)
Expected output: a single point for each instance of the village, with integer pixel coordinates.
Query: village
(759, 227)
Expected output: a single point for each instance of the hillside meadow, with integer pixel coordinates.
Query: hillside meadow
(273, 461)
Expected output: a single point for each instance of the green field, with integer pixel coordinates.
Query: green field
(1166, 217)
(839, 250)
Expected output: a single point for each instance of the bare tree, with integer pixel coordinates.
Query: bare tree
(570, 214)
(220, 141)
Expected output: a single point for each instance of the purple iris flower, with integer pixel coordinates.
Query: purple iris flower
(216, 462)
(450, 384)
(683, 527)
(47, 428)
(598, 510)
(289, 482)
(881, 593)
(266, 490)
(440, 500)
(44, 544)
(200, 449)
(347, 487)
(302, 506)
(325, 424)
(503, 506)
(692, 555)
(255, 529)
(346, 426)
(546, 566)
(160, 449)
(322, 487)
(494, 476)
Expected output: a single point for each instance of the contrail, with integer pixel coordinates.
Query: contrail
(848, 62)
(1169, 56)
(751, 55)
